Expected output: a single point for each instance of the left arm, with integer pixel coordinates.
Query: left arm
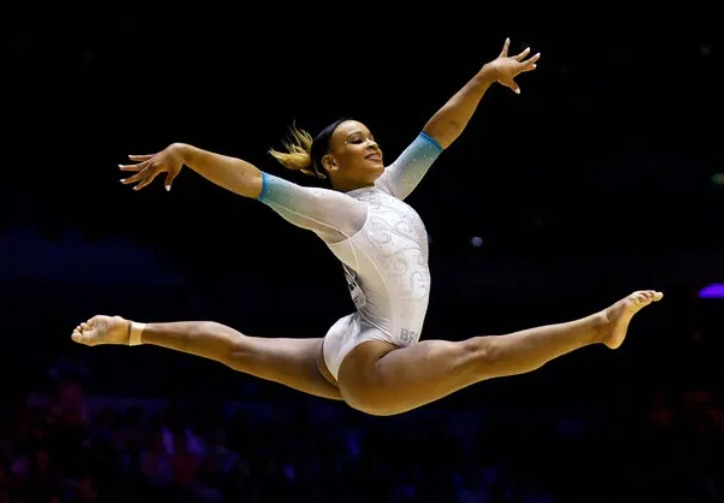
(450, 121)
(403, 175)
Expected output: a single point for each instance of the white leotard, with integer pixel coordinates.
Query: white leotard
(381, 242)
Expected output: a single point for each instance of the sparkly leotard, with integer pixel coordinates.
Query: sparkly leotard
(381, 242)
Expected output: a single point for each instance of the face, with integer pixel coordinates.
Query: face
(354, 158)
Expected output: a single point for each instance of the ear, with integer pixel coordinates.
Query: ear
(329, 163)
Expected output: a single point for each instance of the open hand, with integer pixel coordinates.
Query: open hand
(148, 167)
(505, 68)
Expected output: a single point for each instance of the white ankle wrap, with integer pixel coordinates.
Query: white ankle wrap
(136, 331)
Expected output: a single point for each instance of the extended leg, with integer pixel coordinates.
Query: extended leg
(291, 362)
(383, 382)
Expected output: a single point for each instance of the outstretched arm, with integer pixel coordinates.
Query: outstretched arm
(231, 173)
(333, 216)
(448, 122)
(403, 175)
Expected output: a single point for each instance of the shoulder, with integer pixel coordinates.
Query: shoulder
(274, 187)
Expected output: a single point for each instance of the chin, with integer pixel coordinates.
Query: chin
(377, 173)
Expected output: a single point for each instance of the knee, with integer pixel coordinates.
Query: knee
(480, 356)
(240, 353)
(238, 356)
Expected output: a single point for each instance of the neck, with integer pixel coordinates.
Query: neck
(348, 186)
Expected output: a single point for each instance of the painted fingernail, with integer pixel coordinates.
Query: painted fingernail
(168, 188)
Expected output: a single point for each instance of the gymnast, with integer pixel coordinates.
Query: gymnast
(373, 358)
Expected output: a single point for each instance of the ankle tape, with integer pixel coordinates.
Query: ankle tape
(135, 331)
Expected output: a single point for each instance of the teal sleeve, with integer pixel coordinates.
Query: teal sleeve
(330, 214)
(402, 176)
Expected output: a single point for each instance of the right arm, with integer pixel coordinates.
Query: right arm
(331, 215)
(231, 173)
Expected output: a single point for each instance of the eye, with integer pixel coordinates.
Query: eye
(359, 139)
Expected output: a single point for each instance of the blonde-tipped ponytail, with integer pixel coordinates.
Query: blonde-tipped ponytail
(298, 153)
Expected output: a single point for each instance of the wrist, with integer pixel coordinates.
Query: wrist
(487, 75)
(182, 150)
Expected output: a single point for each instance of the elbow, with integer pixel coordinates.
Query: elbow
(444, 135)
(252, 184)
(247, 181)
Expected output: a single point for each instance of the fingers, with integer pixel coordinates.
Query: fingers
(526, 64)
(530, 64)
(132, 167)
(523, 55)
(145, 173)
(148, 167)
(170, 176)
(142, 178)
(137, 177)
(151, 174)
(141, 168)
(510, 67)
(510, 84)
(506, 45)
(139, 158)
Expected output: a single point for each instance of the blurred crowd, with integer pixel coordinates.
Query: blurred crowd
(61, 445)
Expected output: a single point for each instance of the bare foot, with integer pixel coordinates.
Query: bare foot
(102, 329)
(619, 315)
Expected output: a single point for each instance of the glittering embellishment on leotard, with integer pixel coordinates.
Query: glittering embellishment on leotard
(397, 238)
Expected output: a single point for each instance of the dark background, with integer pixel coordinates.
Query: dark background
(604, 176)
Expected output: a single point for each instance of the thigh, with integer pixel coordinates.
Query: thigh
(288, 361)
(381, 378)
(324, 370)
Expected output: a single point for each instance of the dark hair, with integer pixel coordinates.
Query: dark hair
(320, 145)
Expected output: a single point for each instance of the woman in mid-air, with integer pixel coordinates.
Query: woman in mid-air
(373, 358)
